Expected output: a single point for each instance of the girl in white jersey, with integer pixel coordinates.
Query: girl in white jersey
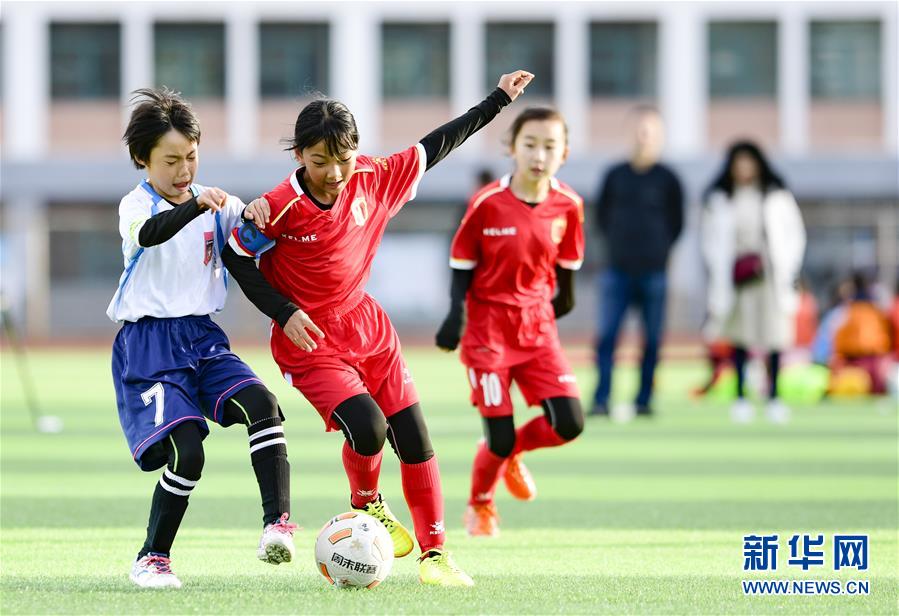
(172, 366)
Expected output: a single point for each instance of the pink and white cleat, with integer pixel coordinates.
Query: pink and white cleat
(276, 544)
(154, 571)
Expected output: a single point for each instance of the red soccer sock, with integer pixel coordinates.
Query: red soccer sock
(421, 486)
(484, 475)
(535, 434)
(363, 473)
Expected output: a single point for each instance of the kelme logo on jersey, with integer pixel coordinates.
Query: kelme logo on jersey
(312, 237)
(557, 229)
(500, 231)
(359, 210)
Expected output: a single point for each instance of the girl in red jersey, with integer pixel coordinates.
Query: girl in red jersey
(521, 240)
(331, 340)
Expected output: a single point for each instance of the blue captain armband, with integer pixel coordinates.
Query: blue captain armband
(248, 241)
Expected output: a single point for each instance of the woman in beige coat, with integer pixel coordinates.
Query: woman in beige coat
(753, 241)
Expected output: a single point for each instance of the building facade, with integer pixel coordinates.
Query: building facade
(814, 82)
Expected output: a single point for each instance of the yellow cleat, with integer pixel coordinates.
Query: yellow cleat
(437, 567)
(402, 540)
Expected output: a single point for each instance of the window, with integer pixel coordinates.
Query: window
(845, 60)
(190, 58)
(742, 59)
(293, 59)
(623, 59)
(83, 237)
(1, 62)
(529, 46)
(84, 61)
(415, 60)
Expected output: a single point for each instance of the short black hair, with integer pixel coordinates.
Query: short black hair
(535, 114)
(156, 112)
(325, 120)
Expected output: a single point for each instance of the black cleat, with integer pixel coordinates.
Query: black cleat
(599, 410)
(644, 410)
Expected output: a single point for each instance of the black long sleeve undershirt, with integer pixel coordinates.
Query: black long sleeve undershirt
(450, 332)
(257, 289)
(163, 226)
(563, 302)
(443, 140)
(461, 282)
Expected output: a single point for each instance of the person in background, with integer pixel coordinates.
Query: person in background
(753, 241)
(822, 346)
(640, 214)
(894, 320)
(806, 317)
(862, 340)
(718, 353)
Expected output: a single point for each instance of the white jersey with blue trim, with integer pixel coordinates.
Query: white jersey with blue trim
(180, 277)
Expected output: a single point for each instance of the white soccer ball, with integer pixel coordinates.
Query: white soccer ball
(354, 550)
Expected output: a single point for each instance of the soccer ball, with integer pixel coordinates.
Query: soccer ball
(354, 550)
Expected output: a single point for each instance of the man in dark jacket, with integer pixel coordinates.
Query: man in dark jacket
(640, 213)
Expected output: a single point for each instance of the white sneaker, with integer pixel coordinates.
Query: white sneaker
(276, 544)
(154, 571)
(777, 412)
(742, 411)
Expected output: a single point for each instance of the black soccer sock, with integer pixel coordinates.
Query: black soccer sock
(268, 453)
(773, 373)
(184, 447)
(166, 513)
(740, 357)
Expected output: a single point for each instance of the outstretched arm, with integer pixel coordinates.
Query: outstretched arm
(450, 331)
(443, 140)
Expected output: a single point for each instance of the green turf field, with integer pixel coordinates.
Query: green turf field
(644, 517)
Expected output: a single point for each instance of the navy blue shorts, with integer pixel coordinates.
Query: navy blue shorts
(167, 371)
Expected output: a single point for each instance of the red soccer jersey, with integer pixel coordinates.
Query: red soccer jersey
(322, 258)
(514, 247)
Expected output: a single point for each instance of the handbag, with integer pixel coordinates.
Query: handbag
(748, 268)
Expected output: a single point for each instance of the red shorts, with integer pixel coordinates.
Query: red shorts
(501, 345)
(360, 354)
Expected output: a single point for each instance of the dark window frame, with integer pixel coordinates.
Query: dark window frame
(103, 80)
(392, 90)
(317, 80)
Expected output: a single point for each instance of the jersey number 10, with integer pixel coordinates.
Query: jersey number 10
(490, 387)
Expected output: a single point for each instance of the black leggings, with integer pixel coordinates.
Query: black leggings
(740, 358)
(365, 428)
(564, 415)
(182, 449)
